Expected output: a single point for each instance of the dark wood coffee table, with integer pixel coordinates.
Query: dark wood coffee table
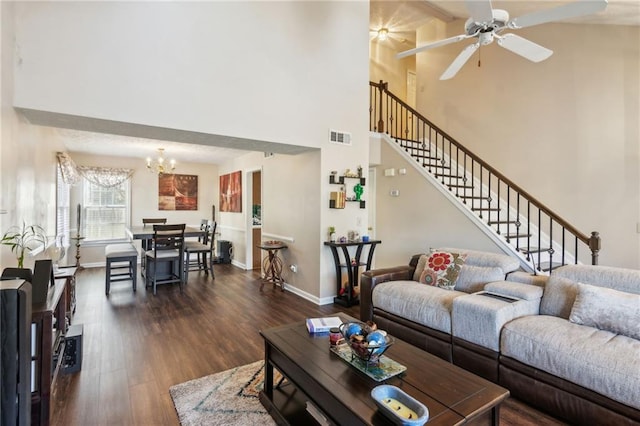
(342, 393)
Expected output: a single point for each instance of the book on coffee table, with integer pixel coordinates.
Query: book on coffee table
(322, 325)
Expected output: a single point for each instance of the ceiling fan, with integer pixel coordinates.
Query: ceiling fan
(486, 24)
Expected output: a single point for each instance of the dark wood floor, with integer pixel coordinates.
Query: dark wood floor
(137, 345)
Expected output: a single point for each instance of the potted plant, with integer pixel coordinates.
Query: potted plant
(25, 238)
(332, 234)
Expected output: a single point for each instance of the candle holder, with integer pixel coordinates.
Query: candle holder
(78, 239)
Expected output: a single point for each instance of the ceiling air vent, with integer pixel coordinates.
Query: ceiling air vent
(342, 138)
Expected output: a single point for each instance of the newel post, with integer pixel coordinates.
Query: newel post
(594, 245)
(382, 87)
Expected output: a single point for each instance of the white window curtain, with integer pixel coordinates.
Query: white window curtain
(68, 169)
(107, 177)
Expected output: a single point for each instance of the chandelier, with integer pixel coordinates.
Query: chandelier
(159, 165)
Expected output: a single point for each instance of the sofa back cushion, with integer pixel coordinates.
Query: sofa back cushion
(562, 288)
(487, 259)
(474, 278)
(607, 309)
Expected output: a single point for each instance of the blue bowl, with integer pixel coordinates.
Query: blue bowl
(398, 406)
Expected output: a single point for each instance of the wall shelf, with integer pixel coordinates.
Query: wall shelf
(340, 180)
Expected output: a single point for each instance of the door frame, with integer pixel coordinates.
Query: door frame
(248, 203)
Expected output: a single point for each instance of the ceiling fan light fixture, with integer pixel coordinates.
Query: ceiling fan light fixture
(158, 165)
(383, 34)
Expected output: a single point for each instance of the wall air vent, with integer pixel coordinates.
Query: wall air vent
(342, 138)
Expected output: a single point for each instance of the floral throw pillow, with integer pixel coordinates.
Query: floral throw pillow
(442, 269)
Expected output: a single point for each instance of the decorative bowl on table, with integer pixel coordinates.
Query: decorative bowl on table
(367, 343)
(400, 407)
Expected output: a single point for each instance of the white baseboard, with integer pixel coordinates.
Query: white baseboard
(310, 297)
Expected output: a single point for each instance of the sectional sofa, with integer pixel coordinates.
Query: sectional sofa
(568, 344)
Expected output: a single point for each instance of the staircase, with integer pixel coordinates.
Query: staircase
(505, 212)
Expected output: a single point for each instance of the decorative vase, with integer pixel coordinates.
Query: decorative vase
(332, 237)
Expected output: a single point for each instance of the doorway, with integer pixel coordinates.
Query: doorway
(254, 219)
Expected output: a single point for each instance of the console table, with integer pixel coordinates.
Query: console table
(68, 273)
(49, 322)
(352, 265)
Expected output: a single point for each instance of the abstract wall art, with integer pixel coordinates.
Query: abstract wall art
(231, 192)
(177, 192)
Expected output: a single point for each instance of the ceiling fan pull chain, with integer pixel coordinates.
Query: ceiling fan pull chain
(479, 55)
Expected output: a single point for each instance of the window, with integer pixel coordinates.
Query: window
(106, 211)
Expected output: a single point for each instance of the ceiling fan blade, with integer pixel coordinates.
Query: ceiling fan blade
(523, 47)
(431, 45)
(480, 10)
(570, 10)
(459, 61)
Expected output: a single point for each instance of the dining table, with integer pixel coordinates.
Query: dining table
(145, 233)
(140, 232)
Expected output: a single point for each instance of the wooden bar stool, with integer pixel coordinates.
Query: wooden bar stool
(117, 270)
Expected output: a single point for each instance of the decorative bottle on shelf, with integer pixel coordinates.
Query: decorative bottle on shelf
(332, 234)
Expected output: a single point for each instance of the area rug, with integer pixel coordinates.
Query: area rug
(226, 398)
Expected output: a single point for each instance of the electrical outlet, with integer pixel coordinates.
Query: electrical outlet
(294, 268)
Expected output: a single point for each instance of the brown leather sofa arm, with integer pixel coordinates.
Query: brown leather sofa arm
(374, 277)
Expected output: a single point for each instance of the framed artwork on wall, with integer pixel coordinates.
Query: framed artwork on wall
(231, 192)
(177, 192)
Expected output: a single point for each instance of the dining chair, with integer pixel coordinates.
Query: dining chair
(201, 250)
(146, 243)
(168, 248)
(202, 238)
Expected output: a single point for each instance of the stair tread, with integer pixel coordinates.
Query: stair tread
(546, 266)
(448, 175)
(460, 186)
(500, 222)
(531, 250)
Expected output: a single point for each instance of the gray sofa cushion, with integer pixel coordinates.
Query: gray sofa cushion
(420, 303)
(599, 360)
(473, 278)
(561, 289)
(607, 309)
(513, 289)
(483, 258)
(479, 319)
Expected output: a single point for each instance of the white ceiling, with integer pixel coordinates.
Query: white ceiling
(401, 17)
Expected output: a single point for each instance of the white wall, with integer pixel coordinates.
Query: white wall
(565, 129)
(291, 212)
(258, 70)
(27, 174)
(434, 221)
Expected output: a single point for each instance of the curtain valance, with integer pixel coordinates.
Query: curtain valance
(105, 177)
